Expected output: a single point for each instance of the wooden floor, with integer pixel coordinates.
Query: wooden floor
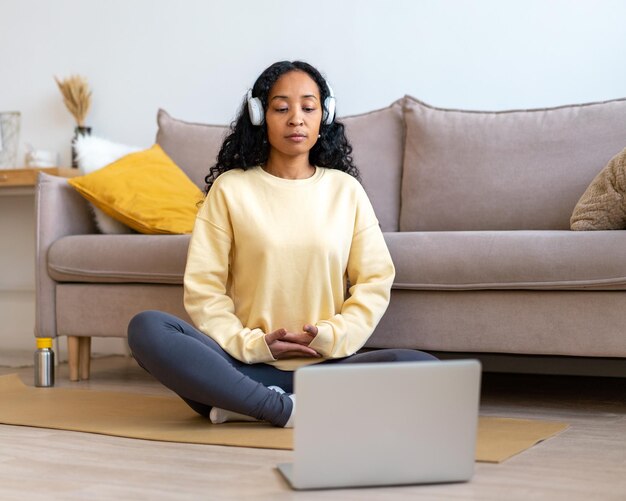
(586, 462)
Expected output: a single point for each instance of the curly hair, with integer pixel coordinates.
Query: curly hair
(246, 146)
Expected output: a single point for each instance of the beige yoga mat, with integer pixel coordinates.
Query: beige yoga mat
(169, 419)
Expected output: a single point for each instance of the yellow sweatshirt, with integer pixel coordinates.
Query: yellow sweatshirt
(269, 253)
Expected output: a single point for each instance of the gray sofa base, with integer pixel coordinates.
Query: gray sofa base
(517, 322)
(104, 310)
(570, 323)
(552, 365)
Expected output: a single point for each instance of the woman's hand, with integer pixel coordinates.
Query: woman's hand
(285, 344)
(304, 338)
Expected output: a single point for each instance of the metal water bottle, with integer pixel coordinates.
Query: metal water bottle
(44, 362)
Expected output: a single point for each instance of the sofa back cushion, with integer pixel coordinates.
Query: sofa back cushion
(193, 147)
(377, 139)
(508, 170)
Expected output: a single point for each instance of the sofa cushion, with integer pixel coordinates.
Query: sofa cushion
(119, 258)
(377, 140)
(192, 146)
(423, 260)
(508, 170)
(467, 260)
(144, 190)
(602, 206)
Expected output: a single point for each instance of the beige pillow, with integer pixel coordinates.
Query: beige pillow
(602, 205)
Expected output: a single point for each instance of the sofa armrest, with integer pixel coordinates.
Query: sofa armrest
(59, 211)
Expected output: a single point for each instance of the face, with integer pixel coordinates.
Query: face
(294, 114)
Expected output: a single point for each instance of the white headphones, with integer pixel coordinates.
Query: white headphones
(257, 115)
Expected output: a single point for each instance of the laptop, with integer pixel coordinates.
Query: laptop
(400, 423)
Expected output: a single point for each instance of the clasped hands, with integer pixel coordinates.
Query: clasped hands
(285, 344)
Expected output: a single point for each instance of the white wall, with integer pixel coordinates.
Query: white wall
(196, 58)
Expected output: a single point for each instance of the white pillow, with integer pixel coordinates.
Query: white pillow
(93, 153)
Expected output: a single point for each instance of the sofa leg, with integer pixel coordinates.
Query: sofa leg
(73, 356)
(84, 352)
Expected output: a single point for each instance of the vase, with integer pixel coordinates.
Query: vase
(79, 130)
(9, 138)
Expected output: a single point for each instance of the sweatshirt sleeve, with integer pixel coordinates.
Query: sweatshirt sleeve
(371, 273)
(206, 284)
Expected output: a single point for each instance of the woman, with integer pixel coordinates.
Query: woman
(284, 226)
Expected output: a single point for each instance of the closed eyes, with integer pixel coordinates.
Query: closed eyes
(305, 109)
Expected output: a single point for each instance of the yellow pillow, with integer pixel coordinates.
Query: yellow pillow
(145, 190)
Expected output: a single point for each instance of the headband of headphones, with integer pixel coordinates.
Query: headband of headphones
(257, 115)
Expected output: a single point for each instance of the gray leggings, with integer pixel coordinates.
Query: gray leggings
(196, 368)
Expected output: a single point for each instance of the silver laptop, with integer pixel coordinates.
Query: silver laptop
(384, 424)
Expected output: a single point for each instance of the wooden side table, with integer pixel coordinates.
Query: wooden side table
(17, 261)
(19, 181)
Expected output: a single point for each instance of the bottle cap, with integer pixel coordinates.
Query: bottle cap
(44, 342)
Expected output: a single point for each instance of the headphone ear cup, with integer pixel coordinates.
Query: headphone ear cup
(329, 107)
(329, 110)
(255, 110)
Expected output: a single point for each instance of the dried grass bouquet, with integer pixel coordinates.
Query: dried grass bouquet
(76, 96)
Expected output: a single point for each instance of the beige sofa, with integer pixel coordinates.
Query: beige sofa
(475, 207)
